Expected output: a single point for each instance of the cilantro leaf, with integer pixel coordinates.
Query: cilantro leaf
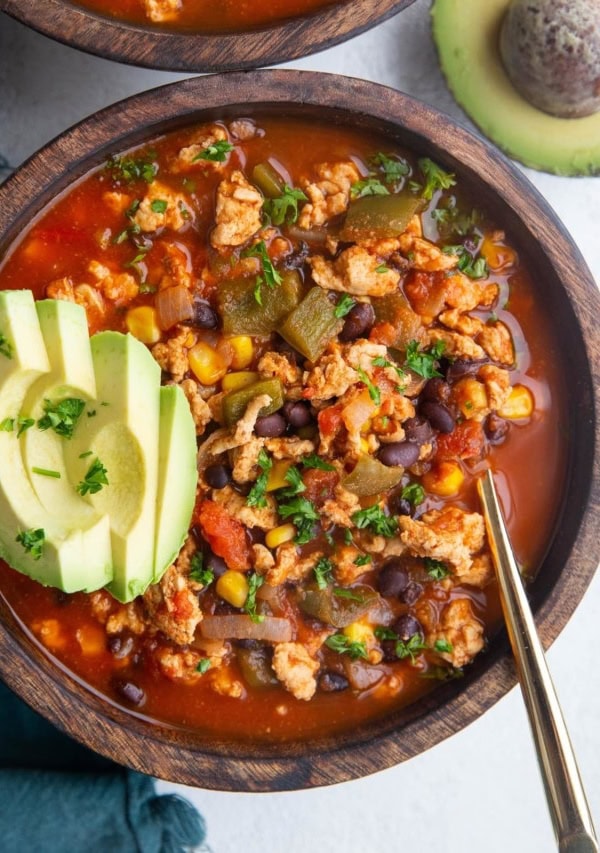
(368, 186)
(303, 515)
(294, 478)
(32, 541)
(436, 569)
(254, 584)
(344, 646)
(7, 425)
(131, 169)
(197, 571)
(217, 152)
(363, 560)
(380, 361)
(423, 362)
(443, 646)
(394, 169)
(344, 306)
(158, 205)
(256, 496)
(203, 666)
(62, 415)
(323, 572)
(314, 461)
(269, 276)
(24, 424)
(284, 209)
(94, 480)
(373, 391)
(410, 648)
(435, 178)
(414, 493)
(374, 519)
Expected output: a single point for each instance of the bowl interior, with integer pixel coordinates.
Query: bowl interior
(172, 50)
(572, 554)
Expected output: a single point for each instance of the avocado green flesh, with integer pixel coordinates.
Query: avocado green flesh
(466, 34)
(65, 550)
(177, 477)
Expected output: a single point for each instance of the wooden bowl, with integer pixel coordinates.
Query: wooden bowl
(572, 555)
(183, 51)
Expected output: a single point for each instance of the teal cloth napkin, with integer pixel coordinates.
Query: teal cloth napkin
(58, 797)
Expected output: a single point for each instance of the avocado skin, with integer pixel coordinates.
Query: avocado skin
(466, 34)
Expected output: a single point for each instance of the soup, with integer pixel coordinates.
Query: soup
(357, 342)
(200, 15)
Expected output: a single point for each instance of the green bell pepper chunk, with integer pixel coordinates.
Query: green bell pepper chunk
(370, 477)
(268, 180)
(236, 402)
(335, 609)
(241, 313)
(312, 324)
(376, 217)
(395, 309)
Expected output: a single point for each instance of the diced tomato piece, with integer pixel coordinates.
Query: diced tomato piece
(466, 441)
(320, 485)
(426, 292)
(330, 420)
(225, 535)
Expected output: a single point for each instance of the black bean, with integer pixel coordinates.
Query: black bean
(130, 692)
(358, 323)
(120, 645)
(331, 682)
(270, 426)
(495, 428)
(296, 259)
(411, 594)
(399, 453)
(407, 626)
(393, 578)
(282, 346)
(388, 647)
(398, 505)
(461, 367)
(438, 416)
(251, 645)
(217, 476)
(435, 390)
(256, 535)
(418, 430)
(205, 316)
(297, 414)
(216, 564)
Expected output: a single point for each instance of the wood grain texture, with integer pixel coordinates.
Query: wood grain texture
(178, 51)
(564, 283)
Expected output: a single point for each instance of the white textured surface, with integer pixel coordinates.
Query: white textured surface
(480, 790)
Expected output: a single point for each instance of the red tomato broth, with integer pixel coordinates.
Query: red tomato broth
(529, 464)
(206, 17)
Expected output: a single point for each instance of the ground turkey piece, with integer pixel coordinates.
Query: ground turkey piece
(162, 208)
(189, 157)
(459, 627)
(451, 536)
(330, 195)
(296, 669)
(172, 606)
(172, 356)
(355, 272)
(159, 11)
(238, 213)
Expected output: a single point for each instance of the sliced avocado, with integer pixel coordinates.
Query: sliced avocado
(177, 477)
(121, 434)
(466, 33)
(32, 540)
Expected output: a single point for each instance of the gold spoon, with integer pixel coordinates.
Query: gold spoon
(566, 798)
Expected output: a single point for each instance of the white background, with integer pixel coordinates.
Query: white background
(479, 790)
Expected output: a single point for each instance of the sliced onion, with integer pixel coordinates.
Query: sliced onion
(173, 305)
(272, 629)
(358, 412)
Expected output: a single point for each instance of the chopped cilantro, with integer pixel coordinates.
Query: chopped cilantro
(363, 560)
(344, 306)
(7, 425)
(443, 646)
(217, 152)
(62, 415)
(414, 493)
(197, 571)
(435, 178)
(284, 209)
(423, 362)
(348, 538)
(323, 572)
(32, 541)
(269, 276)
(436, 570)
(24, 424)
(394, 169)
(132, 169)
(94, 480)
(203, 666)
(257, 290)
(380, 361)
(6, 348)
(453, 220)
(293, 477)
(45, 472)
(368, 186)
(410, 648)
(373, 391)
(86, 454)
(383, 633)
(374, 518)
(467, 263)
(382, 269)
(254, 584)
(345, 646)
(303, 515)
(349, 594)
(256, 496)
(314, 461)
(158, 205)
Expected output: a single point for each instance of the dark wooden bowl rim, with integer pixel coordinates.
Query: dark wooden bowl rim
(171, 50)
(185, 756)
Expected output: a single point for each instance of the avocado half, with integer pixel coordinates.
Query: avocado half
(466, 34)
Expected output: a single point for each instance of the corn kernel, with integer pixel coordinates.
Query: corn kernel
(243, 351)
(91, 639)
(496, 254)
(471, 396)
(444, 480)
(141, 322)
(233, 588)
(518, 405)
(277, 475)
(207, 364)
(359, 632)
(364, 446)
(241, 379)
(279, 535)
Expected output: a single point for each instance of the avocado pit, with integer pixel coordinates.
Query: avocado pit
(551, 53)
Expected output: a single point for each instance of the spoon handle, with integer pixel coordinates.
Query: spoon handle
(566, 798)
